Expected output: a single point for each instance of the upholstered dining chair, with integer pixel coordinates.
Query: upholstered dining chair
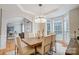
(23, 50)
(45, 47)
(41, 29)
(31, 35)
(26, 35)
(37, 34)
(53, 43)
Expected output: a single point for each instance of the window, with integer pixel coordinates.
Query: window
(66, 28)
(60, 26)
(48, 26)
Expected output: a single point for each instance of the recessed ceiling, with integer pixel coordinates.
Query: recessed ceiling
(45, 9)
(29, 11)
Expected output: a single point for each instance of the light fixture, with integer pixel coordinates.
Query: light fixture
(40, 19)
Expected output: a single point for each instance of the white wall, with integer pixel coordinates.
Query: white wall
(0, 26)
(3, 34)
(0, 21)
(74, 21)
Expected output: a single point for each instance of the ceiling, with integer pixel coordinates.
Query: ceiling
(46, 9)
(31, 10)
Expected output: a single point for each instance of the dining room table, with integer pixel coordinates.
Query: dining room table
(34, 43)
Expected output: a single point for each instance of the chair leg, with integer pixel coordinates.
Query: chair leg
(15, 50)
(55, 47)
(52, 50)
(35, 50)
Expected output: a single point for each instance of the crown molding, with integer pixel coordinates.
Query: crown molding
(26, 11)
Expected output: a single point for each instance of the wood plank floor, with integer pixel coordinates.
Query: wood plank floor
(10, 46)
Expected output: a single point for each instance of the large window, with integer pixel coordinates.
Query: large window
(66, 28)
(48, 26)
(59, 25)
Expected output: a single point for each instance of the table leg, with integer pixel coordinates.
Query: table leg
(35, 50)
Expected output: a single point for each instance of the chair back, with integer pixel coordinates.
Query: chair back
(26, 35)
(37, 35)
(21, 35)
(31, 35)
(53, 40)
(46, 44)
(18, 45)
(41, 29)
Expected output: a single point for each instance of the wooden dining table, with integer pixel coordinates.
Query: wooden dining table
(33, 43)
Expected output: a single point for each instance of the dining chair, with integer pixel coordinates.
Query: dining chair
(37, 35)
(26, 35)
(41, 29)
(45, 47)
(53, 44)
(21, 35)
(23, 50)
(31, 35)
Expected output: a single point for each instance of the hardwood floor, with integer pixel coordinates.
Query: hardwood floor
(10, 46)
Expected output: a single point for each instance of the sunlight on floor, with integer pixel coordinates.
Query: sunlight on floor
(60, 50)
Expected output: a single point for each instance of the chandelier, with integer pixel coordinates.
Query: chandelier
(40, 19)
